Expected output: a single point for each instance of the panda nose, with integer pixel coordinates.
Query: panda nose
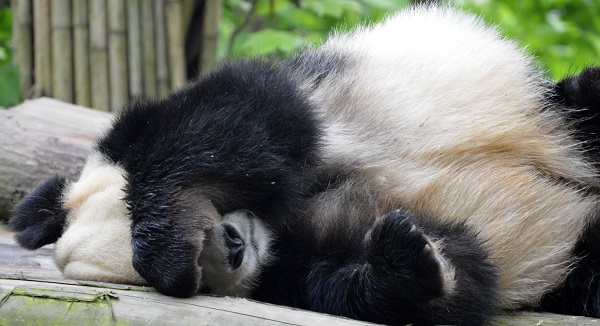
(235, 244)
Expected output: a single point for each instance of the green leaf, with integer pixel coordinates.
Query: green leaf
(10, 94)
(323, 8)
(269, 41)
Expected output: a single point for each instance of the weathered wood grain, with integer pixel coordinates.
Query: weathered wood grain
(41, 138)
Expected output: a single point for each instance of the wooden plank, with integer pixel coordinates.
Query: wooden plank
(78, 304)
(30, 279)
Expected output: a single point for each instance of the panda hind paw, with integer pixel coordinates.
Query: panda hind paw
(403, 256)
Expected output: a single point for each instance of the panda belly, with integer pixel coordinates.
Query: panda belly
(475, 144)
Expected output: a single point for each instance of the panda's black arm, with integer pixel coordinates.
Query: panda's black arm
(39, 218)
(402, 276)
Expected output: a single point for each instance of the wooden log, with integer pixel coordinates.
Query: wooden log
(42, 49)
(117, 55)
(99, 55)
(62, 50)
(210, 36)
(39, 139)
(95, 304)
(81, 52)
(148, 55)
(30, 279)
(160, 47)
(134, 51)
(176, 43)
(24, 44)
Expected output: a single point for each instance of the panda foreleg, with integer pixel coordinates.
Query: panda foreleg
(422, 274)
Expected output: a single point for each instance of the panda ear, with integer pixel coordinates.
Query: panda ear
(39, 218)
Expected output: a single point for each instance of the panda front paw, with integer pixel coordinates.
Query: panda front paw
(402, 257)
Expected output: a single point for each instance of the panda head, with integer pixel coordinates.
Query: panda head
(90, 224)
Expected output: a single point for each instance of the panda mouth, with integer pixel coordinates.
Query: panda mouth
(235, 244)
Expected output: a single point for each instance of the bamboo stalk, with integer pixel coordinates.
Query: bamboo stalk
(117, 55)
(189, 6)
(210, 35)
(14, 5)
(176, 41)
(62, 50)
(99, 55)
(42, 49)
(24, 43)
(148, 55)
(81, 52)
(162, 65)
(134, 53)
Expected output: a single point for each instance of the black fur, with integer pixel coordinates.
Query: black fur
(388, 277)
(580, 293)
(581, 94)
(39, 218)
(232, 138)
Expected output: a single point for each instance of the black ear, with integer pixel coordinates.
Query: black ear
(39, 218)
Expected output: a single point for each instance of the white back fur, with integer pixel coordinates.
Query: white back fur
(445, 117)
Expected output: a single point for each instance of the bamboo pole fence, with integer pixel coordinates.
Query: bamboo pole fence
(105, 53)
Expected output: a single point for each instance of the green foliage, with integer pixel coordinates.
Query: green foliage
(563, 34)
(280, 27)
(10, 93)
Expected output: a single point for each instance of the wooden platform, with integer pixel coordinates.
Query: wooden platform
(33, 292)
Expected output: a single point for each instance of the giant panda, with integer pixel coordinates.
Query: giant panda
(421, 170)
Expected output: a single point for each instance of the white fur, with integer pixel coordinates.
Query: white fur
(445, 117)
(96, 244)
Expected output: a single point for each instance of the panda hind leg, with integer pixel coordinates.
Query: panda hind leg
(426, 273)
(470, 278)
(580, 293)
